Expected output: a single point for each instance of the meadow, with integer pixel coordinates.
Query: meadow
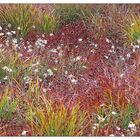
(69, 70)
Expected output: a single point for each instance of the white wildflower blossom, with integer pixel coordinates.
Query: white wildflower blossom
(122, 75)
(74, 81)
(29, 50)
(101, 119)
(9, 25)
(66, 72)
(9, 33)
(77, 58)
(53, 50)
(24, 133)
(44, 90)
(1, 34)
(13, 32)
(106, 57)
(18, 28)
(132, 24)
(5, 78)
(122, 58)
(0, 28)
(111, 135)
(107, 40)
(7, 69)
(36, 70)
(113, 47)
(51, 34)
(84, 67)
(113, 113)
(128, 55)
(50, 72)
(132, 126)
(118, 128)
(80, 39)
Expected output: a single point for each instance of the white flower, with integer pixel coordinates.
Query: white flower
(122, 75)
(14, 32)
(66, 72)
(107, 40)
(33, 26)
(96, 45)
(51, 34)
(78, 58)
(36, 70)
(45, 75)
(113, 47)
(15, 40)
(131, 125)
(5, 78)
(96, 124)
(111, 135)
(118, 128)
(101, 119)
(9, 33)
(29, 50)
(106, 57)
(1, 34)
(0, 28)
(113, 113)
(128, 55)
(50, 72)
(24, 133)
(44, 90)
(9, 25)
(18, 28)
(7, 69)
(132, 24)
(94, 127)
(84, 67)
(122, 58)
(74, 81)
(53, 50)
(80, 39)
(92, 51)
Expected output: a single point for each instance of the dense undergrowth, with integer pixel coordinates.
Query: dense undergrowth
(73, 71)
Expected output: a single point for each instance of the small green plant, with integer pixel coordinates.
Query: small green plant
(133, 29)
(21, 17)
(7, 107)
(45, 23)
(49, 119)
(69, 13)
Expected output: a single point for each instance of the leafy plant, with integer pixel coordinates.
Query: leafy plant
(7, 107)
(69, 13)
(133, 29)
(49, 119)
(45, 23)
(20, 16)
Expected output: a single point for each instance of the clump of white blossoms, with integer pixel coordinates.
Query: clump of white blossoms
(51, 34)
(132, 126)
(40, 43)
(0, 28)
(72, 79)
(101, 119)
(24, 133)
(118, 128)
(27, 79)
(50, 72)
(113, 113)
(80, 39)
(95, 126)
(107, 40)
(7, 69)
